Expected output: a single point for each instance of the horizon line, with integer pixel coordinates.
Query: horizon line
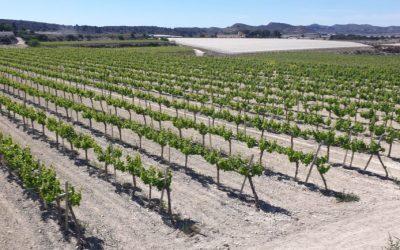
(169, 27)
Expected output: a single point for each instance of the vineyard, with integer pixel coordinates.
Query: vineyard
(163, 149)
(107, 43)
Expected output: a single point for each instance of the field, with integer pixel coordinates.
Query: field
(242, 45)
(166, 150)
(106, 43)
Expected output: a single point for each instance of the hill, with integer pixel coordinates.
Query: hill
(355, 29)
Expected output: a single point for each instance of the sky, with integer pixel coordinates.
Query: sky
(203, 13)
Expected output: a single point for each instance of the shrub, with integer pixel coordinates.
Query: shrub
(33, 43)
(7, 40)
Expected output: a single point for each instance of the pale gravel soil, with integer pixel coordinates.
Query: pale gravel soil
(223, 220)
(21, 43)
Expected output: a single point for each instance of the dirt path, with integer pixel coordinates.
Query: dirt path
(21, 43)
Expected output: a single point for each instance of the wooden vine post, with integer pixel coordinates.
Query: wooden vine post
(69, 211)
(379, 158)
(253, 189)
(313, 162)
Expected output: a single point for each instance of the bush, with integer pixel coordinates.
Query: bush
(5, 27)
(71, 38)
(7, 40)
(42, 38)
(33, 43)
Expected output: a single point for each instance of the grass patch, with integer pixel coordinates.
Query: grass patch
(347, 197)
(393, 243)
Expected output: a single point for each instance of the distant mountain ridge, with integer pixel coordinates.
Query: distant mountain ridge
(355, 29)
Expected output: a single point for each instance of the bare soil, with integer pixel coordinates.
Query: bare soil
(24, 225)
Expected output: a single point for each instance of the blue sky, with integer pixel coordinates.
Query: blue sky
(203, 13)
